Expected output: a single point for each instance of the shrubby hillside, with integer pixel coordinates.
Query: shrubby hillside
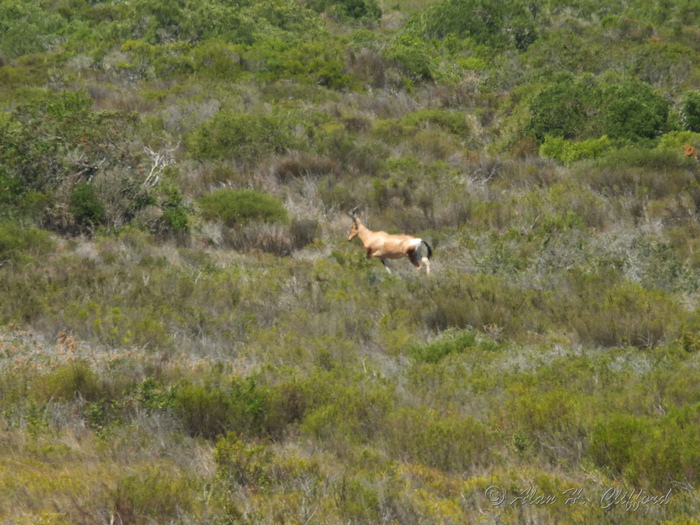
(187, 336)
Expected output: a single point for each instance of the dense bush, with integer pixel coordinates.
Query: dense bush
(348, 9)
(496, 24)
(568, 151)
(448, 344)
(630, 445)
(315, 63)
(634, 112)
(690, 111)
(86, 206)
(17, 242)
(175, 214)
(568, 108)
(413, 55)
(244, 137)
(575, 108)
(37, 138)
(74, 380)
(238, 207)
(27, 27)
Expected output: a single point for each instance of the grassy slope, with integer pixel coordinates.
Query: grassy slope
(205, 375)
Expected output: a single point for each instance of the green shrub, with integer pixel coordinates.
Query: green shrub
(634, 111)
(456, 342)
(676, 140)
(17, 201)
(244, 136)
(623, 314)
(413, 55)
(27, 27)
(568, 152)
(239, 207)
(238, 464)
(316, 63)
(175, 217)
(217, 60)
(454, 122)
(631, 446)
(151, 493)
(17, 242)
(576, 108)
(68, 382)
(563, 50)
(35, 140)
(163, 61)
(153, 396)
(567, 109)
(204, 410)
(446, 442)
(690, 111)
(348, 9)
(216, 20)
(493, 23)
(240, 405)
(86, 206)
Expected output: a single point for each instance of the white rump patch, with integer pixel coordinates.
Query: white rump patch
(416, 243)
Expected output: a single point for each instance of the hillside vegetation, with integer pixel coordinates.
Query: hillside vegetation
(188, 337)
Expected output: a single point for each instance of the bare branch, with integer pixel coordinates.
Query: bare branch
(159, 161)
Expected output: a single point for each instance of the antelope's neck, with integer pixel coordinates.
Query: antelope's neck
(363, 232)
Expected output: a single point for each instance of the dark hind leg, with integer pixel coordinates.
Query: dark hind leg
(415, 260)
(386, 265)
(416, 257)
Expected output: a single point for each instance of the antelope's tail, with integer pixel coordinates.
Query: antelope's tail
(430, 250)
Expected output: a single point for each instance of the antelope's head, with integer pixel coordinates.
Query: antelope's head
(354, 227)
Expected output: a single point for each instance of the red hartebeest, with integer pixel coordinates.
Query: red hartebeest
(387, 246)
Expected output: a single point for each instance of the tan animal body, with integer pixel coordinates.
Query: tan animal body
(386, 246)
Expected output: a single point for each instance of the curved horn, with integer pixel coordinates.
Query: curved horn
(353, 212)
